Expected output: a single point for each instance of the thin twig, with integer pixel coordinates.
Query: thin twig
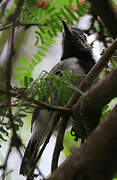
(41, 104)
(61, 109)
(17, 24)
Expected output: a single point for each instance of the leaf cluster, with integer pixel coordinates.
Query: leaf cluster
(48, 88)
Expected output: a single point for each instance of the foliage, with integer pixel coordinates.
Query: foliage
(25, 99)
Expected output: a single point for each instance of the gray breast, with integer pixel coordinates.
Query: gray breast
(72, 64)
(69, 64)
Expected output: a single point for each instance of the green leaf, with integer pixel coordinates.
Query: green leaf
(80, 13)
(31, 80)
(40, 95)
(66, 16)
(58, 16)
(50, 40)
(58, 26)
(43, 47)
(40, 35)
(34, 62)
(46, 43)
(50, 10)
(83, 9)
(41, 53)
(71, 13)
(26, 81)
(37, 41)
(54, 81)
(53, 28)
(86, 5)
(42, 83)
(24, 61)
(20, 69)
(38, 58)
(50, 33)
(78, 3)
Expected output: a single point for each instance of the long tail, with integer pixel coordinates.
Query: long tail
(41, 128)
(27, 161)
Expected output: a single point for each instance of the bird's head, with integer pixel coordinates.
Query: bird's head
(75, 44)
(72, 35)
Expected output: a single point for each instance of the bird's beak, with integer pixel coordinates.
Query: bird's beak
(67, 29)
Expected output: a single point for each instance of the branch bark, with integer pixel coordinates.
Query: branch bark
(96, 158)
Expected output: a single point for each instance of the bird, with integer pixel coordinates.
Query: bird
(77, 56)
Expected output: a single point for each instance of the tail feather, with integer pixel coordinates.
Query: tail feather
(27, 161)
(41, 128)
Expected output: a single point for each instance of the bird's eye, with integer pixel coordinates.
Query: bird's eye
(83, 37)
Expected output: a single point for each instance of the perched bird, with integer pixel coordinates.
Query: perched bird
(77, 57)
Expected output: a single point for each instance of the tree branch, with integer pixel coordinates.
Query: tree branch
(26, 25)
(17, 93)
(52, 107)
(96, 158)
